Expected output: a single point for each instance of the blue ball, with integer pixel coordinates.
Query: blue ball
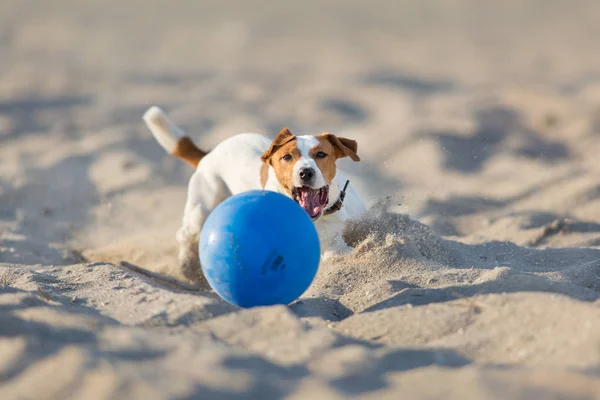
(259, 248)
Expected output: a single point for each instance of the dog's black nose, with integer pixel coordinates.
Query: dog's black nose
(307, 174)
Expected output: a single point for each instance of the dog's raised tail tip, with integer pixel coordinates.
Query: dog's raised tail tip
(153, 114)
(164, 130)
(172, 138)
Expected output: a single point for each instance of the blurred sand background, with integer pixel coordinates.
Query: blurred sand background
(478, 120)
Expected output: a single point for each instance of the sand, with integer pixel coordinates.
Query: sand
(476, 274)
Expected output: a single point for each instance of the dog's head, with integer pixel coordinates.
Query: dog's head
(305, 166)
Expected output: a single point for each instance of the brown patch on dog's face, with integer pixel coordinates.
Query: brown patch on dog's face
(282, 155)
(282, 161)
(329, 150)
(325, 156)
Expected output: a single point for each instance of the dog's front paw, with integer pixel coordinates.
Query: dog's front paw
(189, 265)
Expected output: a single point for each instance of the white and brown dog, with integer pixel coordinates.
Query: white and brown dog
(300, 167)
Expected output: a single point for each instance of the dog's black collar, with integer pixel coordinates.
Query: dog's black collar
(339, 203)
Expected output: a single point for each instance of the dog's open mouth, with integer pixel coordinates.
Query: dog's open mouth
(312, 200)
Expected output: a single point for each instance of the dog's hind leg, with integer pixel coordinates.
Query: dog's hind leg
(205, 192)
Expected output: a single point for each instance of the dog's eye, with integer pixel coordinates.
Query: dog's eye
(287, 157)
(320, 154)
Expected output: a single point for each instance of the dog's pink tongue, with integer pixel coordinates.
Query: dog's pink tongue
(309, 200)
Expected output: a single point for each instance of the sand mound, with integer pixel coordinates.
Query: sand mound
(398, 261)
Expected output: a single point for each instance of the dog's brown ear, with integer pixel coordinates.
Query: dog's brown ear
(343, 147)
(283, 137)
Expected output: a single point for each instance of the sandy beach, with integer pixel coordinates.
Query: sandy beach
(475, 275)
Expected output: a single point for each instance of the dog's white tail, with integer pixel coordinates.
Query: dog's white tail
(172, 138)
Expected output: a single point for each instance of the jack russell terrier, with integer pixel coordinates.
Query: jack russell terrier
(300, 167)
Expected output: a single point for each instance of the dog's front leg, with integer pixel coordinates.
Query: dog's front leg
(188, 236)
(205, 192)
